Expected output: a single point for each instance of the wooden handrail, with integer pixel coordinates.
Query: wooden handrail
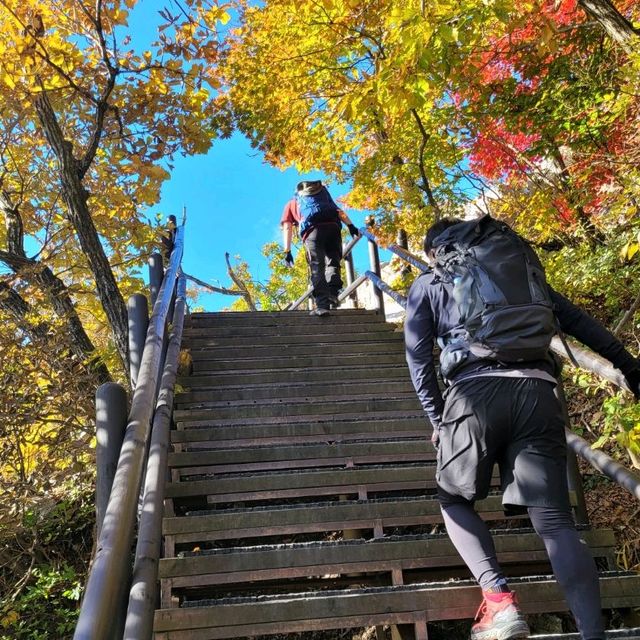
(108, 578)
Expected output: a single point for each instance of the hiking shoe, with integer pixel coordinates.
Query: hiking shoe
(500, 620)
(319, 312)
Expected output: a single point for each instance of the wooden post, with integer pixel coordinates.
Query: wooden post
(374, 262)
(138, 316)
(351, 276)
(111, 422)
(156, 273)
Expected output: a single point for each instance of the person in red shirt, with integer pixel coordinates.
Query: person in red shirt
(318, 219)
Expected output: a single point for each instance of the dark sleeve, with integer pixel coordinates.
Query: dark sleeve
(419, 333)
(579, 324)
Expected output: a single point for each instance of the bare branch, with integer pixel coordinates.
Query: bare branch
(206, 285)
(241, 286)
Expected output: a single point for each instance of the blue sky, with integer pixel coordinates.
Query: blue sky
(233, 198)
(234, 201)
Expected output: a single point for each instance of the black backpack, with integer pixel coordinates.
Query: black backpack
(499, 286)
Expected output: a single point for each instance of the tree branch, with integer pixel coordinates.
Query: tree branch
(626, 316)
(75, 197)
(241, 286)
(426, 187)
(616, 26)
(206, 285)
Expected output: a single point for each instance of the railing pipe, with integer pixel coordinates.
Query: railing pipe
(142, 598)
(138, 319)
(107, 579)
(591, 361)
(305, 296)
(352, 287)
(401, 252)
(156, 274)
(382, 286)
(111, 423)
(374, 263)
(606, 465)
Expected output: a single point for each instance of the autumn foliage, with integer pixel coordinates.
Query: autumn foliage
(529, 110)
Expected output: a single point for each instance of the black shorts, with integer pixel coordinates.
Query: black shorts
(514, 422)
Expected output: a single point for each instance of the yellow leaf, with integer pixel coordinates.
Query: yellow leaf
(628, 251)
(8, 80)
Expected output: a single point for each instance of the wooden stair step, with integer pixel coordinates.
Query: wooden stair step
(360, 371)
(279, 390)
(370, 325)
(289, 433)
(242, 617)
(231, 524)
(303, 483)
(280, 318)
(306, 360)
(318, 405)
(276, 562)
(333, 336)
(393, 343)
(324, 419)
(336, 454)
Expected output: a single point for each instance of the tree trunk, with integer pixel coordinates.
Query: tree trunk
(75, 197)
(14, 304)
(56, 291)
(618, 28)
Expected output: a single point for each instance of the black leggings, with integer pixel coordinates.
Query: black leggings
(571, 560)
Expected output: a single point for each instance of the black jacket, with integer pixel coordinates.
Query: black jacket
(431, 313)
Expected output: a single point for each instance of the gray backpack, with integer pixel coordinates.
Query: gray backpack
(500, 289)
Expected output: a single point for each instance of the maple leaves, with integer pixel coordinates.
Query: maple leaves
(421, 105)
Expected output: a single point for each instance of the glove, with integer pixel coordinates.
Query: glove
(353, 230)
(288, 259)
(633, 380)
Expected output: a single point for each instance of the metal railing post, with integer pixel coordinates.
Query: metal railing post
(111, 422)
(374, 262)
(156, 273)
(350, 274)
(138, 317)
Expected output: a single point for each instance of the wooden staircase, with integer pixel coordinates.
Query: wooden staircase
(301, 493)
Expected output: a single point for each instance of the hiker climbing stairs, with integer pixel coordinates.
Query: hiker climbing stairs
(301, 493)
